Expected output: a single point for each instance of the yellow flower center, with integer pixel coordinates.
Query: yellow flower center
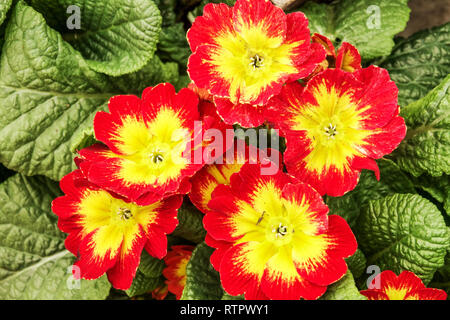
(251, 60)
(153, 153)
(273, 226)
(117, 222)
(333, 127)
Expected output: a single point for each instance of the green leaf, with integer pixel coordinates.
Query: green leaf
(344, 289)
(148, 275)
(202, 281)
(437, 187)
(152, 73)
(4, 8)
(419, 63)
(426, 147)
(403, 232)
(173, 45)
(357, 263)
(33, 261)
(355, 21)
(392, 180)
(190, 223)
(441, 279)
(116, 37)
(49, 96)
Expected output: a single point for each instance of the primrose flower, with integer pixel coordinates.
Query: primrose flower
(176, 261)
(274, 238)
(108, 233)
(347, 57)
(244, 54)
(337, 125)
(149, 144)
(210, 176)
(406, 286)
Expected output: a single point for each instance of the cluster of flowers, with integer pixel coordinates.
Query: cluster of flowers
(251, 65)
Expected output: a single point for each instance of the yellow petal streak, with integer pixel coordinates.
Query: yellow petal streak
(233, 58)
(117, 222)
(153, 151)
(397, 293)
(333, 126)
(283, 230)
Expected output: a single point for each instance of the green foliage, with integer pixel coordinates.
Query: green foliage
(357, 263)
(49, 95)
(344, 289)
(190, 225)
(34, 263)
(426, 147)
(202, 281)
(116, 37)
(355, 21)
(403, 232)
(419, 63)
(392, 180)
(148, 276)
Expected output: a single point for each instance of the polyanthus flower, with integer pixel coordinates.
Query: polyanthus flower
(406, 286)
(108, 233)
(149, 144)
(244, 54)
(176, 262)
(205, 181)
(273, 237)
(337, 125)
(347, 57)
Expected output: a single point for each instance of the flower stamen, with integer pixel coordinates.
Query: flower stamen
(330, 131)
(256, 61)
(124, 213)
(280, 231)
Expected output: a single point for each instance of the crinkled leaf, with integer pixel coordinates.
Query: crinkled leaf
(419, 63)
(426, 147)
(202, 281)
(355, 21)
(357, 263)
(116, 37)
(143, 284)
(403, 232)
(392, 180)
(49, 96)
(344, 289)
(33, 261)
(190, 223)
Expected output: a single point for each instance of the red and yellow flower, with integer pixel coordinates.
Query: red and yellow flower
(337, 125)
(347, 57)
(176, 261)
(405, 286)
(205, 181)
(150, 144)
(273, 237)
(244, 54)
(108, 233)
